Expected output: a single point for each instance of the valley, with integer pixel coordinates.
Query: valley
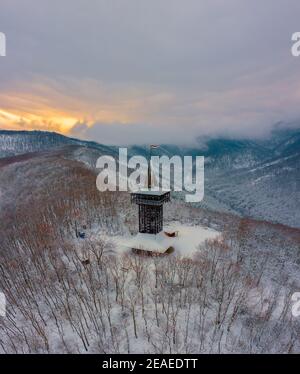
(232, 294)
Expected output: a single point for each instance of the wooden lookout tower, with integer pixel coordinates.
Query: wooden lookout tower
(151, 238)
(150, 210)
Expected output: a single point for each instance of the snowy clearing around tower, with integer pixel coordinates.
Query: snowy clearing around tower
(185, 245)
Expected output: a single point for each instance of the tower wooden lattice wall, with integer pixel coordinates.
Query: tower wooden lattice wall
(150, 210)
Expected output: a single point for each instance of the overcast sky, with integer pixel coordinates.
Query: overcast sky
(138, 71)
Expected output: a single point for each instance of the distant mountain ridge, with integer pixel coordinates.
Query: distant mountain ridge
(256, 178)
(219, 152)
(14, 143)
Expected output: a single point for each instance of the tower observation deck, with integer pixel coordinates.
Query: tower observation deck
(150, 210)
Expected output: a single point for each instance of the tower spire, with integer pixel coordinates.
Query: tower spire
(152, 146)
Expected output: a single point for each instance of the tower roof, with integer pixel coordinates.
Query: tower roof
(149, 192)
(150, 197)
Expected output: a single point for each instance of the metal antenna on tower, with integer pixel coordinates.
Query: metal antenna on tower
(152, 146)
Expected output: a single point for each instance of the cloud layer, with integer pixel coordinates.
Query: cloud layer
(127, 71)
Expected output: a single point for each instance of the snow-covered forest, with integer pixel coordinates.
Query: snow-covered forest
(66, 294)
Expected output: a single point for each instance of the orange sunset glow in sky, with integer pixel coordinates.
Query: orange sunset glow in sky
(140, 71)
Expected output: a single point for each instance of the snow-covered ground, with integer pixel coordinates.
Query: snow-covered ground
(233, 298)
(186, 244)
